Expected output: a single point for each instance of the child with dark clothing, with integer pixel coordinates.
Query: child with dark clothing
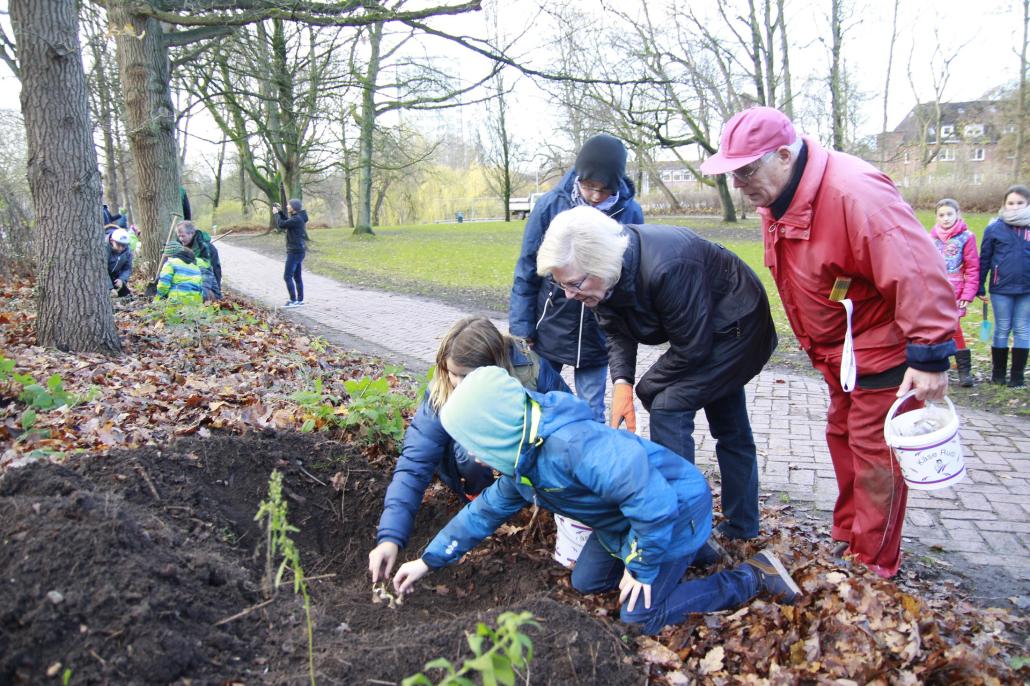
(293, 220)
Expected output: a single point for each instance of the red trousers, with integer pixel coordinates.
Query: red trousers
(870, 509)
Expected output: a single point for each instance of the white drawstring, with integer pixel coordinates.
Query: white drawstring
(848, 368)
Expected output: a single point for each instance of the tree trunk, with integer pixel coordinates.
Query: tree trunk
(788, 93)
(756, 55)
(1017, 171)
(729, 212)
(244, 200)
(367, 123)
(104, 99)
(887, 79)
(836, 83)
(73, 306)
(150, 122)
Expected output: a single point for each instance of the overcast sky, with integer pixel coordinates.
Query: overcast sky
(983, 37)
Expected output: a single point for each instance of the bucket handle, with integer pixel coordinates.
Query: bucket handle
(894, 410)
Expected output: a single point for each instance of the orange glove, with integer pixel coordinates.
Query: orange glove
(622, 407)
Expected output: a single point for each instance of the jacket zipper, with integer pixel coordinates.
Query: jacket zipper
(544, 313)
(579, 343)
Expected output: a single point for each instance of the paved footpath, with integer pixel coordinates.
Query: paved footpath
(985, 519)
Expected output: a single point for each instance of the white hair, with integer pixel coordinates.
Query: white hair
(585, 239)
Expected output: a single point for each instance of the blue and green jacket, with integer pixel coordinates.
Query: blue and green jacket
(646, 504)
(426, 443)
(180, 281)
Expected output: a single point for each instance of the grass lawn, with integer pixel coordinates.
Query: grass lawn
(471, 264)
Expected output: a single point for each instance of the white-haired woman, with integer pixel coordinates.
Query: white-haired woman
(665, 284)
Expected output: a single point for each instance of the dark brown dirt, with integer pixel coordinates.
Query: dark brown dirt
(120, 568)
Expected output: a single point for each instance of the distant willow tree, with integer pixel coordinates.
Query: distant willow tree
(73, 308)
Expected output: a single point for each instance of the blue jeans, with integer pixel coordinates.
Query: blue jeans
(461, 473)
(291, 275)
(1011, 315)
(590, 383)
(672, 599)
(734, 449)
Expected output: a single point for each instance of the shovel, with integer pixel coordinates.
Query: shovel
(986, 327)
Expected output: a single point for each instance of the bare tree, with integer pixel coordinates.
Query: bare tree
(501, 152)
(73, 308)
(1017, 168)
(836, 78)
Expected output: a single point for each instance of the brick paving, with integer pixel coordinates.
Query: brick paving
(985, 519)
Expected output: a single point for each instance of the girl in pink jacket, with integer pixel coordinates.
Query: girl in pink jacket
(957, 245)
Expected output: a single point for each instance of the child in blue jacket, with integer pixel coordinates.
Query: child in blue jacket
(651, 510)
(472, 342)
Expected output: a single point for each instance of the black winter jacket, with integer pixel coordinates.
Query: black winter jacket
(702, 300)
(295, 228)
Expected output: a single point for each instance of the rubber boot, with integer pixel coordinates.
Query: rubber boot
(1018, 365)
(965, 367)
(999, 362)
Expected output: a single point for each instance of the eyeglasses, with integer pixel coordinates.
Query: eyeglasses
(573, 287)
(594, 190)
(744, 174)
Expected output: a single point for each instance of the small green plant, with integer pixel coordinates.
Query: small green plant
(498, 653)
(278, 543)
(40, 397)
(372, 411)
(66, 676)
(1017, 662)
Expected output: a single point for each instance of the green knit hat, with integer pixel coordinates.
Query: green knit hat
(486, 414)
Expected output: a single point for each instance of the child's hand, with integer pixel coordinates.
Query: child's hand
(410, 572)
(963, 303)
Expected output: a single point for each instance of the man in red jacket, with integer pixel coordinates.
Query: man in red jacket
(849, 257)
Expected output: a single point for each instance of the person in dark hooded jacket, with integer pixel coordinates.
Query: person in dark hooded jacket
(295, 226)
(562, 331)
(665, 284)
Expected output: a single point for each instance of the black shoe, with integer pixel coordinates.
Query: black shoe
(964, 362)
(774, 577)
(1018, 367)
(711, 553)
(999, 363)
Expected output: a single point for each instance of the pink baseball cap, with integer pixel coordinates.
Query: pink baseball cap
(747, 136)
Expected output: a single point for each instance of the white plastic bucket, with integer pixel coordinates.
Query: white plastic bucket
(568, 543)
(928, 460)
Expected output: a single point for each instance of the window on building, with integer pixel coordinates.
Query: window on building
(1011, 128)
(973, 130)
(666, 175)
(946, 155)
(977, 155)
(947, 131)
(978, 179)
(677, 175)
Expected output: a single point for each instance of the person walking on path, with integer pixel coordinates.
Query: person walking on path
(957, 245)
(564, 332)
(1005, 264)
(867, 297)
(295, 226)
(665, 284)
(651, 510)
(471, 343)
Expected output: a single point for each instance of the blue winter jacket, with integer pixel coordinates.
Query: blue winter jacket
(562, 330)
(1005, 255)
(119, 264)
(646, 504)
(425, 444)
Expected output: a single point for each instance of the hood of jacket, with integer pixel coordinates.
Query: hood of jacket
(627, 192)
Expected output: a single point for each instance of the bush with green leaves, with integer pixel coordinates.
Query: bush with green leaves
(372, 411)
(39, 397)
(497, 654)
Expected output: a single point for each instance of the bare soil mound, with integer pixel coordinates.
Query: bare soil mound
(121, 569)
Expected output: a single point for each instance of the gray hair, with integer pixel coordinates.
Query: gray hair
(187, 226)
(585, 239)
(295, 205)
